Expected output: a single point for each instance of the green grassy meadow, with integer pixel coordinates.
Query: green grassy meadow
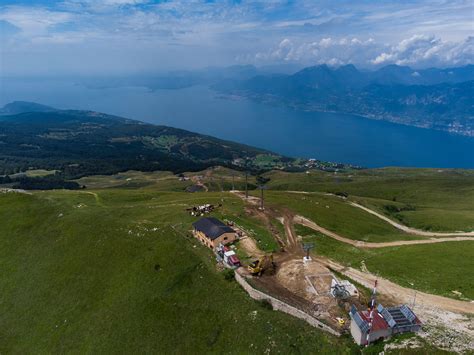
(113, 268)
(84, 273)
(437, 199)
(338, 216)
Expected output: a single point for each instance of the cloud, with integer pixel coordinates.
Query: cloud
(100, 5)
(416, 51)
(7, 28)
(332, 51)
(204, 32)
(422, 50)
(33, 21)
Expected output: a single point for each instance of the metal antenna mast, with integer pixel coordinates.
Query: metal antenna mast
(371, 311)
(307, 248)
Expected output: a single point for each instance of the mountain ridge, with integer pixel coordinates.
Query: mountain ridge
(80, 143)
(439, 99)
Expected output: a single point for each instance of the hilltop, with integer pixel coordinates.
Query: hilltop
(114, 267)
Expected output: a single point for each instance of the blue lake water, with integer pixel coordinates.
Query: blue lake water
(325, 136)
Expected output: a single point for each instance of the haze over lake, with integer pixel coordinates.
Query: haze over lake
(325, 136)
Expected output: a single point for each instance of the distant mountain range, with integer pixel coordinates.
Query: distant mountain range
(175, 79)
(431, 98)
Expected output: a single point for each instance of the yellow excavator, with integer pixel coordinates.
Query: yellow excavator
(262, 264)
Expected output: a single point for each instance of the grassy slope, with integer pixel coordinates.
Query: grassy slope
(433, 268)
(79, 275)
(336, 215)
(443, 199)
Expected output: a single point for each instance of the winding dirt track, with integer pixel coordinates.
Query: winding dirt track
(402, 294)
(411, 230)
(360, 244)
(450, 237)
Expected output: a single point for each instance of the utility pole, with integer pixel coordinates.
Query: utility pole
(261, 181)
(233, 181)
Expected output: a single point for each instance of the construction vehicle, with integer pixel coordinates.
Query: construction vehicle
(262, 264)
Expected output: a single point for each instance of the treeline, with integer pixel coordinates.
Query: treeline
(48, 182)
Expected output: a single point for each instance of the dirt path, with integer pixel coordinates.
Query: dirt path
(291, 238)
(410, 230)
(360, 244)
(96, 197)
(250, 247)
(198, 182)
(255, 201)
(402, 294)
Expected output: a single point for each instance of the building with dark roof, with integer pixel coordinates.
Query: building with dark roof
(386, 322)
(212, 232)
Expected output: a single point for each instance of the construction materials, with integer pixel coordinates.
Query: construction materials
(201, 210)
(342, 289)
(263, 264)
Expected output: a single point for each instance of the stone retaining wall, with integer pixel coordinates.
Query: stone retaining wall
(282, 306)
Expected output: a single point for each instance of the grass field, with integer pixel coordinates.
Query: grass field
(438, 200)
(113, 268)
(433, 268)
(428, 199)
(159, 180)
(336, 215)
(90, 273)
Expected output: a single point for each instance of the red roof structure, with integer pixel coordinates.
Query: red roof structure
(379, 323)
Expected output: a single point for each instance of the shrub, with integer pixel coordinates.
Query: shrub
(266, 304)
(229, 274)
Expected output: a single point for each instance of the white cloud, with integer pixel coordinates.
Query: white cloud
(422, 50)
(34, 21)
(331, 51)
(226, 32)
(416, 51)
(101, 4)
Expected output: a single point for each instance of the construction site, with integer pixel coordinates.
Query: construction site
(294, 279)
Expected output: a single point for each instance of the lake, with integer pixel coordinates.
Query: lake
(326, 136)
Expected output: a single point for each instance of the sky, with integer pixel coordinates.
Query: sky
(39, 37)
